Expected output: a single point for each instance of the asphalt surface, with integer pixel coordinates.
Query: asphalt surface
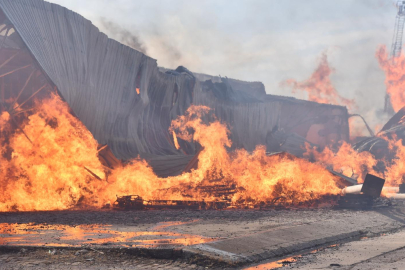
(241, 238)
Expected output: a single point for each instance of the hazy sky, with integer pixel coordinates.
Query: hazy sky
(259, 40)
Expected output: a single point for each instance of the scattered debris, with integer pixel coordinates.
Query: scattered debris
(129, 202)
(372, 186)
(362, 196)
(80, 252)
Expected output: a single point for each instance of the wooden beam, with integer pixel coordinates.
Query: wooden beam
(22, 90)
(9, 59)
(92, 173)
(19, 106)
(18, 126)
(102, 148)
(23, 111)
(11, 72)
(2, 98)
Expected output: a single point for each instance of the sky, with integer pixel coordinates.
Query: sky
(258, 40)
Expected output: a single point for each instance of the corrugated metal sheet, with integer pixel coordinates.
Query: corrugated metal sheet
(251, 122)
(97, 76)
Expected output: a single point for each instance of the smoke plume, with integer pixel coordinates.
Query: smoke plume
(123, 35)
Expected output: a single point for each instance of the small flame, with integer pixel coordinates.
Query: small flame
(48, 171)
(352, 163)
(138, 90)
(176, 142)
(4, 118)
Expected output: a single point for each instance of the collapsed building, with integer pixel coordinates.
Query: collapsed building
(127, 102)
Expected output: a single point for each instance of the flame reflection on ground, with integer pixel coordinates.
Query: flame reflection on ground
(286, 261)
(273, 265)
(95, 234)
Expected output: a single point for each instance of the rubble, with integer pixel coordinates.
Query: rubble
(362, 196)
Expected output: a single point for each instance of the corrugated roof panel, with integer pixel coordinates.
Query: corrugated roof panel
(96, 76)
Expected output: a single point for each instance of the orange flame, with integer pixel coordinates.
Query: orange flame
(354, 164)
(319, 86)
(259, 177)
(138, 91)
(346, 161)
(396, 171)
(394, 76)
(50, 174)
(176, 142)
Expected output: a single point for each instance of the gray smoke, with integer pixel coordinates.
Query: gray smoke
(259, 40)
(129, 38)
(165, 47)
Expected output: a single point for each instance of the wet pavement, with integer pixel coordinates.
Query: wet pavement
(87, 259)
(46, 235)
(383, 251)
(215, 239)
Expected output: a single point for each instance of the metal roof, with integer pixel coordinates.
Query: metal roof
(97, 76)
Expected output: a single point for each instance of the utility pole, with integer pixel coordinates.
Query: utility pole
(396, 47)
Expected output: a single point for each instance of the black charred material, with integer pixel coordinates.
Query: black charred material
(191, 205)
(135, 202)
(347, 180)
(402, 188)
(130, 202)
(372, 185)
(356, 202)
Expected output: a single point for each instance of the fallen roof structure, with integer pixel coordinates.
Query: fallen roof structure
(127, 102)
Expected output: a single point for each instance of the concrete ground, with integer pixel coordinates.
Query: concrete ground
(236, 238)
(386, 251)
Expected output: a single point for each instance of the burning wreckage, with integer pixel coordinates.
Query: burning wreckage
(85, 119)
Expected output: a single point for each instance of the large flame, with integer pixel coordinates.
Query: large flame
(346, 160)
(319, 86)
(394, 76)
(57, 167)
(353, 164)
(44, 169)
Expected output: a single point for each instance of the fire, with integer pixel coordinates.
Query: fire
(256, 176)
(176, 142)
(353, 164)
(319, 86)
(52, 171)
(4, 118)
(394, 76)
(346, 161)
(47, 172)
(138, 91)
(396, 170)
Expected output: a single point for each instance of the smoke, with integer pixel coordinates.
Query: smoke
(160, 45)
(129, 38)
(163, 46)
